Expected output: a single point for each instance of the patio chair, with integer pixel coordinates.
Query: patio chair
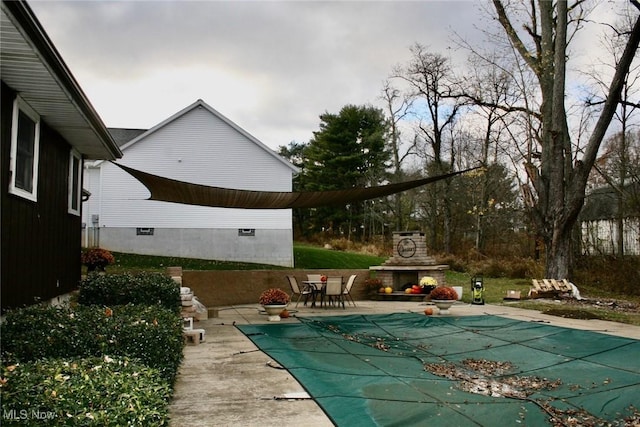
(295, 290)
(314, 277)
(346, 294)
(333, 291)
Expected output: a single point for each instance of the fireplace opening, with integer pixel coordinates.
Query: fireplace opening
(404, 279)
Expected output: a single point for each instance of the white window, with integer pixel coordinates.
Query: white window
(25, 149)
(75, 190)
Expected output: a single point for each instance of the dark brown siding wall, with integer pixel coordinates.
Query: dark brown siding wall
(40, 241)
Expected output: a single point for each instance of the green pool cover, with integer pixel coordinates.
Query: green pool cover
(408, 369)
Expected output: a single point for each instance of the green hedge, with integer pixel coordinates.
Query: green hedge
(121, 289)
(102, 391)
(152, 334)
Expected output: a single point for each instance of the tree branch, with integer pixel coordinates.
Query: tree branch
(610, 105)
(531, 60)
(633, 105)
(474, 100)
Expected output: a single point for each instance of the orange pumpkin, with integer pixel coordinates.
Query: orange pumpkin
(428, 311)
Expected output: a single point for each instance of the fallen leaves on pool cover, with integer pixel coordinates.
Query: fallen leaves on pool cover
(374, 342)
(474, 376)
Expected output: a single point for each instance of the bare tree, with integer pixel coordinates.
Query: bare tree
(557, 182)
(615, 163)
(397, 107)
(493, 84)
(430, 80)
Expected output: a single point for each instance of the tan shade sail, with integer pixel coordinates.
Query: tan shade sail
(170, 190)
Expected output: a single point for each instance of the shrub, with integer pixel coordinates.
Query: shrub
(609, 273)
(524, 268)
(372, 249)
(515, 268)
(152, 334)
(101, 391)
(120, 289)
(492, 268)
(454, 263)
(341, 244)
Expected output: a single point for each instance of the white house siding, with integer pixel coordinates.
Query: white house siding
(268, 246)
(600, 237)
(197, 147)
(200, 148)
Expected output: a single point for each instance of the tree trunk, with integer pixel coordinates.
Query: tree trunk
(447, 221)
(559, 255)
(560, 180)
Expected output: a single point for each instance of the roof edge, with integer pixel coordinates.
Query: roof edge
(29, 23)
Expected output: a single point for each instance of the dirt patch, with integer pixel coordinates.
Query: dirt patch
(604, 304)
(572, 314)
(588, 308)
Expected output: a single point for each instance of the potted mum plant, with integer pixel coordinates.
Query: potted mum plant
(96, 259)
(374, 286)
(274, 301)
(443, 297)
(427, 284)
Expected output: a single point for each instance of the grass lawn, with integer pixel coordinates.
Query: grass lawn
(496, 289)
(305, 256)
(312, 257)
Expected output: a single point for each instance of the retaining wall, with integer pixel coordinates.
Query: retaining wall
(235, 287)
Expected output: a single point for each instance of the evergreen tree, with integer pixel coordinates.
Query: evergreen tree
(348, 151)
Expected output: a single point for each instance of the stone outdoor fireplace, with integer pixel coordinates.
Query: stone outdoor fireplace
(409, 262)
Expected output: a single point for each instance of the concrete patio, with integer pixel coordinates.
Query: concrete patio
(227, 381)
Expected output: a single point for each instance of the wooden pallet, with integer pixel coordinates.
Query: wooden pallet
(546, 287)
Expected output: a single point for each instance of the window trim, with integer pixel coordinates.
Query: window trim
(77, 192)
(19, 105)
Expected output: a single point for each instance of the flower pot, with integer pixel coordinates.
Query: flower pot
(443, 305)
(274, 310)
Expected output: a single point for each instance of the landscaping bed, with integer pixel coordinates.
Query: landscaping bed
(94, 363)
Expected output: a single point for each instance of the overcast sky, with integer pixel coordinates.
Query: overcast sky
(272, 67)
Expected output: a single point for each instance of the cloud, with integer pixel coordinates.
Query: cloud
(271, 66)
